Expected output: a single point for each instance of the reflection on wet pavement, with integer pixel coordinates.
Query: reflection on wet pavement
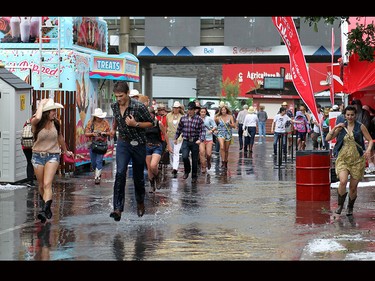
(249, 212)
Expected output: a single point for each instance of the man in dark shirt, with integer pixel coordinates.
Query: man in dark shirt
(131, 117)
(191, 126)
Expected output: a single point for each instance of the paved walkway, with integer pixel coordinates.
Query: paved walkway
(249, 213)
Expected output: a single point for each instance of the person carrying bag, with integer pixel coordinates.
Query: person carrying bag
(98, 130)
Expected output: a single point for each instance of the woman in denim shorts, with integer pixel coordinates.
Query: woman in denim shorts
(48, 141)
(154, 149)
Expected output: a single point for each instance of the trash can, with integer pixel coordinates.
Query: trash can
(313, 175)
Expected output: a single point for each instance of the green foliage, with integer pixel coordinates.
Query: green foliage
(361, 40)
(232, 90)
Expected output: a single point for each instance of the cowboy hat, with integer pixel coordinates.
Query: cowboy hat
(176, 104)
(98, 112)
(251, 109)
(161, 106)
(133, 93)
(191, 105)
(284, 103)
(50, 104)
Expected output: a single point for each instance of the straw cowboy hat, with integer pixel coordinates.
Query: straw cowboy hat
(251, 109)
(98, 112)
(284, 103)
(50, 104)
(161, 106)
(176, 104)
(133, 93)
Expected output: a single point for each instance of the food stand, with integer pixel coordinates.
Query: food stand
(67, 61)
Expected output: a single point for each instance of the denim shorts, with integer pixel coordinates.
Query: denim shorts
(153, 149)
(41, 158)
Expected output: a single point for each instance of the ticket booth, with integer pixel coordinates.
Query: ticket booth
(15, 108)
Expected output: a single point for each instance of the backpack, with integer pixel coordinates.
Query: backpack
(301, 127)
(27, 138)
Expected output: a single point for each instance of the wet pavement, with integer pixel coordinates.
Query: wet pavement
(248, 213)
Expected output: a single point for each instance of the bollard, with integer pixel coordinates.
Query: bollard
(313, 175)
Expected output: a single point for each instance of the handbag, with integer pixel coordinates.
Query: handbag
(165, 160)
(99, 147)
(68, 159)
(245, 132)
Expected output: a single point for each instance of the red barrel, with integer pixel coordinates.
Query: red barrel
(312, 212)
(313, 175)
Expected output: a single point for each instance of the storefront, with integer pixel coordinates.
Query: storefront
(71, 65)
(251, 79)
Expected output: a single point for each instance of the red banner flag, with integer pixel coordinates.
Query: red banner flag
(332, 88)
(298, 68)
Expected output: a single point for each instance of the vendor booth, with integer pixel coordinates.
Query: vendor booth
(67, 60)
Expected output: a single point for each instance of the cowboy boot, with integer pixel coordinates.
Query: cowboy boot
(222, 164)
(208, 162)
(41, 202)
(340, 202)
(152, 185)
(203, 167)
(42, 214)
(98, 174)
(349, 212)
(47, 209)
(45, 213)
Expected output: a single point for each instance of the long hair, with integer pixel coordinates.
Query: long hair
(42, 123)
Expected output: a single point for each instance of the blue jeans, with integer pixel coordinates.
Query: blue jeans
(276, 137)
(262, 129)
(240, 135)
(96, 160)
(124, 152)
(249, 140)
(186, 148)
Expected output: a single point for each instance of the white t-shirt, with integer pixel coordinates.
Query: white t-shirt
(251, 120)
(280, 121)
(316, 127)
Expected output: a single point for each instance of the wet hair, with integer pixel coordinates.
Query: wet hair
(42, 123)
(229, 112)
(205, 108)
(350, 108)
(121, 87)
(357, 102)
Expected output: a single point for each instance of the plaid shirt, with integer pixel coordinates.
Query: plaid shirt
(140, 113)
(191, 128)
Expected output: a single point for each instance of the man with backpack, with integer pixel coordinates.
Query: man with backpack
(27, 141)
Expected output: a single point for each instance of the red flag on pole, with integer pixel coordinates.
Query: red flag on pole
(298, 68)
(332, 88)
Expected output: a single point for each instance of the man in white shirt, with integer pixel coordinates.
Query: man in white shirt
(239, 123)
(279, 129)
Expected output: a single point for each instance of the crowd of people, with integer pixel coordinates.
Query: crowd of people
(148, 133)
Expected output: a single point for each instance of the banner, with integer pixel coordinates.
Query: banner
(300, 74)
(332, 88)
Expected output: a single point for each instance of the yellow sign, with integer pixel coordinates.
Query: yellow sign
(22, 102)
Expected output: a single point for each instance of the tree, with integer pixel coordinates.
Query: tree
(361, 40)
(232, 90)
